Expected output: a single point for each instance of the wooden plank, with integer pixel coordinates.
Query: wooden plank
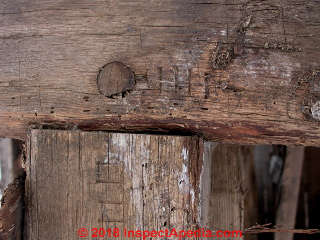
(235, 71)
(138, 182)
(229, 191)
(266, 195)
(290, 189)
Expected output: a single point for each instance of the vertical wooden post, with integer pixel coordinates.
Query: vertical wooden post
(100, 180)
(290, 188)
(230, 199)
(133, 181)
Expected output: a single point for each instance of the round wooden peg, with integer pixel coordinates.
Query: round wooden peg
(115, 78)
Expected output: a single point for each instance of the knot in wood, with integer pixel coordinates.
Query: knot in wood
(115, 78)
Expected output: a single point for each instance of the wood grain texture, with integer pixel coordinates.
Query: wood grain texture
(290, 190)
(6, 164)
(11, 190)
(229, 194)
(11, 211)
(234, 71)
(140, 182)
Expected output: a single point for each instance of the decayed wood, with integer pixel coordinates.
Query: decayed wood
(237, 71)
(290, 189)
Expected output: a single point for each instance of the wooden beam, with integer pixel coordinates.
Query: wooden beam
(243, 72)
(290, 189)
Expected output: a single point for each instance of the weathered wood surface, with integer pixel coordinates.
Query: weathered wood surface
(11, 190)
(229, 194)
(6, 162)
(290, 190)
(141, 182)
(237, 71)
(11, 211)
(138, 182)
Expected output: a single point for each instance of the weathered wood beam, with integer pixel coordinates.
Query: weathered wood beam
(242, 71)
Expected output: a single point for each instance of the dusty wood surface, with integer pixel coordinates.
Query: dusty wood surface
(229, 190)
(139, 182)
(238, 71)
(290, 189)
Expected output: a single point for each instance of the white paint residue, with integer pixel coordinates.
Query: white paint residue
(223, 32)
(106, 160)
(183, 180)
(185, 154)
(121, 154)
(192, 195)
(315, 110)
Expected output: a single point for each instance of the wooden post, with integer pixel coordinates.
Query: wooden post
(100, 180)
(134, 181)
(290, 189)
(229, 187)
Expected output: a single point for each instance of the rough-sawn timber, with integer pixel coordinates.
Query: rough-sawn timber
(234, 71)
